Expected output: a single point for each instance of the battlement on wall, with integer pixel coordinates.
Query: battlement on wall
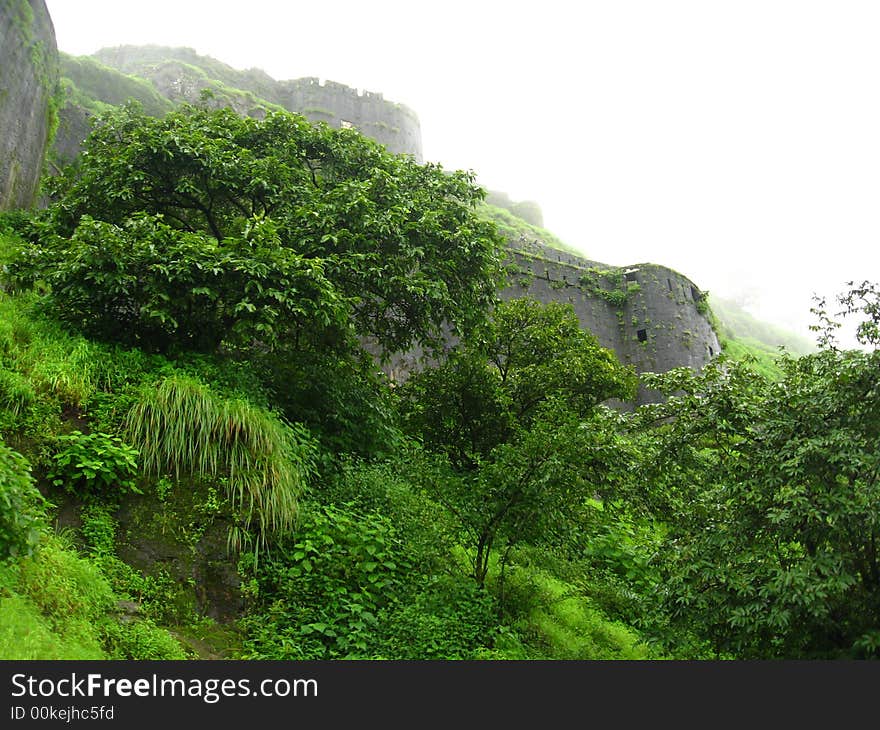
(336, 87)
(393, 125)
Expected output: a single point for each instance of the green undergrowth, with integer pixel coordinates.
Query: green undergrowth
(57, 604)
(557, 621)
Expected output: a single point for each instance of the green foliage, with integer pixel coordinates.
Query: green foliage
(16, 392)
(148, 284)
(786, 475)
(58, 605)
(142, 640)
(755, 355)
(98, 529)
(54, 607)
(448, 618)
(514, 411)
(556, 621)
(608, 284)
(94, 464)
(529, 354)
(21, 506)
(181, 427)
(318, 596)
(862, 300)
(399, 241)
(342, 396)
(428, 532)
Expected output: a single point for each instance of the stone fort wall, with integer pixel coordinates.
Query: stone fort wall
(393, 125)
(653, 317)
(181, 73)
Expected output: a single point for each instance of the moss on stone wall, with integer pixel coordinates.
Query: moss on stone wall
(30, 98)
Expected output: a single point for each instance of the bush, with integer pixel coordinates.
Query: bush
(21, 506)
(449, 618)
(94, 464)
(141, 640)
(16, 393)
(318, 596)
(183, 427)
(144, 283)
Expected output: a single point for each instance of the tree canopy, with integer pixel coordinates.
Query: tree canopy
(770, 491)
(304, 221)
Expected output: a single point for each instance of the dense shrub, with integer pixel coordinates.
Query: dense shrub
(21, 506)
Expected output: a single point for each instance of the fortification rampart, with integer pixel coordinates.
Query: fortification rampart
(28, 78)
(393, 125)
(653, 318)
(181, 73)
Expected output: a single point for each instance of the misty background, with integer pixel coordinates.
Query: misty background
(734, 142)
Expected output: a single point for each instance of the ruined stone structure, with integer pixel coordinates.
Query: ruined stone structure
(393, 125)
(28, 78)
(181, 74)
(652, 317)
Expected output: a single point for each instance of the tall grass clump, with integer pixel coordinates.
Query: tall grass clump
(183, 428)
(16, 393)
(52, 360)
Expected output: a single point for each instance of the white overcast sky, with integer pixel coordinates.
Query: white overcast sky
(737, 142)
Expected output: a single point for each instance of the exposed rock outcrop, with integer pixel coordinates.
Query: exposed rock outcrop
(28, 82)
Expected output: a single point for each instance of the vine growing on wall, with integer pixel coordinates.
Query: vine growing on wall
(608, 284)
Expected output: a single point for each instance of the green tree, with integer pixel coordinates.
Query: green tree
(145, 283)
(770, 492)
(514, 410)
(397, 243)
(525, 356)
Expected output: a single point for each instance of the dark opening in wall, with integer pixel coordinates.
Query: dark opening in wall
(695, 295)
(642, 335)
(711, 351)
(669, 284)
(630, 276)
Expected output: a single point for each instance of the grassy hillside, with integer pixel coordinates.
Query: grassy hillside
(145, 60)
(736, 323)
(94, 86)
(515, 229)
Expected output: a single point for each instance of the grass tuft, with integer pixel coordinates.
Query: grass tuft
(181, 427)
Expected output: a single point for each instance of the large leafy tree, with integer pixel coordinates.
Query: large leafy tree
(524, 358)
(514, 413)
(771, 492)
(395, 243)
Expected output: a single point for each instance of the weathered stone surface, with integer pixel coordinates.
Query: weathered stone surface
(28, 78)
(652, 317)
(181, 74)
